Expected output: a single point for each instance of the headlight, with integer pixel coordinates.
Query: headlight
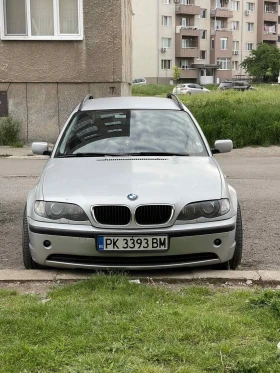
(57, 210)
(205, 209)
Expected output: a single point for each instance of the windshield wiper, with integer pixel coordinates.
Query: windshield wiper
(77, 155)
(161, 154)
(146, 154)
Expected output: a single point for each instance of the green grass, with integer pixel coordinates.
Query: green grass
(152, 90)
(108, 324)
(248, 118)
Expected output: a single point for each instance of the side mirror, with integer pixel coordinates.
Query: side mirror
(222, 146)
(40, 148)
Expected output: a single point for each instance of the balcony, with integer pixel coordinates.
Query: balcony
(189, 73)
(187, 9)
(221, 13)
(190, 52)
(222, 32)
(270, 15)
(269, 36)
(188, 31)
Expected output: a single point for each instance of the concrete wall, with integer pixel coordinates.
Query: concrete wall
(145, 38)
(43, 108)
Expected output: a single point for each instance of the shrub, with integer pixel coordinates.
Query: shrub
(247, 118)
(9, 132)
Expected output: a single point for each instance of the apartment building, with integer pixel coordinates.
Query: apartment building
(206, 39)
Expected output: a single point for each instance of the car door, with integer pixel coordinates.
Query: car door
(193, 88)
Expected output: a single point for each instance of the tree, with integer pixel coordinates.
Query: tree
(176, 73)
(263, 63)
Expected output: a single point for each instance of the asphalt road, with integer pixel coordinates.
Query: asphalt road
(254, 173)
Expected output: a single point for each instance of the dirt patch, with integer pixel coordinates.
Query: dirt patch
(39, 288)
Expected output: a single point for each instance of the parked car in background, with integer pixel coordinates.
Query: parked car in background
(189, 89)
(238, 85)
(139, 81)
(132, 184)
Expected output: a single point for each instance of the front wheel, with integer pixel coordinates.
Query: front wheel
(27, 258)
(236, 259)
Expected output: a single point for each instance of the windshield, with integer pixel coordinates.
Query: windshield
(131, 132)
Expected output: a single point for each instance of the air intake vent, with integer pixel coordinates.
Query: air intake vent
(153, 214)
(112, 215)
(130, 159)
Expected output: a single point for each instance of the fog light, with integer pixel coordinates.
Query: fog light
(217, 242)
(47, 244)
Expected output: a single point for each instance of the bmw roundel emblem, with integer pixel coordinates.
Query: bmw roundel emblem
(132, 197)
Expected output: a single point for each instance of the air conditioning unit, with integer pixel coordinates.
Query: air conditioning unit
(176, 1)
(163, 50)
(247, 12)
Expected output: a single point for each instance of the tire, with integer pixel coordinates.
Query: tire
(27, 258)
(236, 259)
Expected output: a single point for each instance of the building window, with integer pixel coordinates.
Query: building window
(166, 64)
(184, 22)
(249, 26)
(249, 46)
(219, 24)
(235, 5)
(223, 43)
(186, 43)
(224, 62)
(212, 43)
(234, 25)
(235, 46)
(203, 34)
(166, 1)
(250, 7)
(42, 19)
(270, 8)
(166, 42)
(203, 13)
(202, 55)
(184, 64)
(166, 21)
(185, 2)
(234, 65)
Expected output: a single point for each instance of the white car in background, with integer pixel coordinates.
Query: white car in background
(139, 81)
(189, 89)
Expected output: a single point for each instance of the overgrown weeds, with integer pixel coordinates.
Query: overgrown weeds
(249, 118)
(9, 132)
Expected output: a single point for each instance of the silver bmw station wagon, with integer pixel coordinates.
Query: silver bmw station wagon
(132, 183)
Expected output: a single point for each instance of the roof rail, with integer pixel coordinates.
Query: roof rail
(88, 97)
(175, 99)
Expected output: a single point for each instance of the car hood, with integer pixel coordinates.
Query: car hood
(152, 179)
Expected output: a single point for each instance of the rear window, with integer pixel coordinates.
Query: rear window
(130, 132)
(223, 84)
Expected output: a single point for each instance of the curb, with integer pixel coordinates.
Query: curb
(261, 277)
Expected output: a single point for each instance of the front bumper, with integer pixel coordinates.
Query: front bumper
(74, 246)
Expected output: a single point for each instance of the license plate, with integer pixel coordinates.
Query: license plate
(133, 243)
